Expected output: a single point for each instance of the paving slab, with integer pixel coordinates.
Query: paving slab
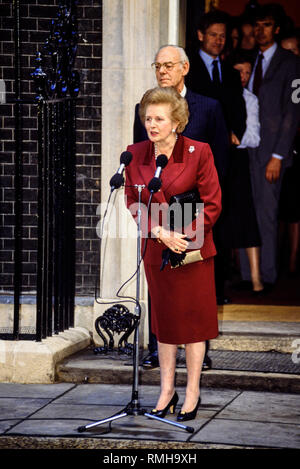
(105, 394)
(49, 391)
(253, 433)
(5, 425)
(273, 407)
(226, 417)
(19, 408)
(129, 427)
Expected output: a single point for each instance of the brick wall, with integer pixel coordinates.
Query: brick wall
(35, 24)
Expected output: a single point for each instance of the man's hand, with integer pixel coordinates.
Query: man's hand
(234, 139)
(273, 169)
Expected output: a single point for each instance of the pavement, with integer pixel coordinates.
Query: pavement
(250, 401)
(49, 416)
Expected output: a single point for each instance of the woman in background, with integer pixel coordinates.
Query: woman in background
(241, 218)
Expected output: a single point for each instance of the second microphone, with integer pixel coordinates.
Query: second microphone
(155, 183)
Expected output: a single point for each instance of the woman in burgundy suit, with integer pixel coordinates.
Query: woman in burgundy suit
(183, 299)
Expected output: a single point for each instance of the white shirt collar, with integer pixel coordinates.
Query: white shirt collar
(183, 91)
(208, 59)
(268, 53)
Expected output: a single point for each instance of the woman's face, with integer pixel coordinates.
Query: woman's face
(158, 123)
(245, 72)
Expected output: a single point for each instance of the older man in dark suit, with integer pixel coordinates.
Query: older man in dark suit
(206, 120)
(274, 72)
(206, 124)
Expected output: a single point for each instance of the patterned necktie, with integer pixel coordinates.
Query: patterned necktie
(215, 73)
(258, 75)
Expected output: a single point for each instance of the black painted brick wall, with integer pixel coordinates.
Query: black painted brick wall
(35, 24)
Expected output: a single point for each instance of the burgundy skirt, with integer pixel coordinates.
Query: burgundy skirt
(183, 302)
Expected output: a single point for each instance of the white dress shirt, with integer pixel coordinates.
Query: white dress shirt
(251, 137)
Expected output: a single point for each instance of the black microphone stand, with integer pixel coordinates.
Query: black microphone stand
(134, 407)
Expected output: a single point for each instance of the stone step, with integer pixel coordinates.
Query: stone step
(259, 313)
(260, 371)
(252, 355)
(259, 355)
(257, 336)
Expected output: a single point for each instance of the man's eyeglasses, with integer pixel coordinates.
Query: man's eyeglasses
(167, 65)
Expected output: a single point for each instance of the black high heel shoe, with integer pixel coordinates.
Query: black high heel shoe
(183, 416)
(170, 406)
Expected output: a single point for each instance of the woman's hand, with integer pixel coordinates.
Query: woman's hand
(173, 240)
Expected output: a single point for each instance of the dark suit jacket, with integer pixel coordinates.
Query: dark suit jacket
(279, 115)
(206, 124)
(229, 93)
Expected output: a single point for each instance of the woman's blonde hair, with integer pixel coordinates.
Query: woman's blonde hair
(168, 95)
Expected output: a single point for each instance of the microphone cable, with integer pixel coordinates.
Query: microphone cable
(153, 186)
(101, 237)
(138, 266)
(128, 299)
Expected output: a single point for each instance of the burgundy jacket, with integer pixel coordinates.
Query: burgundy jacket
(190, 166)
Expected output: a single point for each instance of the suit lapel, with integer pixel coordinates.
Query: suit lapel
(189, 97)
(147, 170)
(147, 166)
(275, 61)
(172, 172)
(191, 100)
(204, 73)
(169, 174)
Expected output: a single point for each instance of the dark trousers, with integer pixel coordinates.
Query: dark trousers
(223, 244)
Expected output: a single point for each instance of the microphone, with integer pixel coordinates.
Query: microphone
(155, 183)
(118, 179)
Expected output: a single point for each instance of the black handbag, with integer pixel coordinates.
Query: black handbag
(183, 209)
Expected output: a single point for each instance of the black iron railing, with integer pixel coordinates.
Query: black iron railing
(57, 87)
(56, 216)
